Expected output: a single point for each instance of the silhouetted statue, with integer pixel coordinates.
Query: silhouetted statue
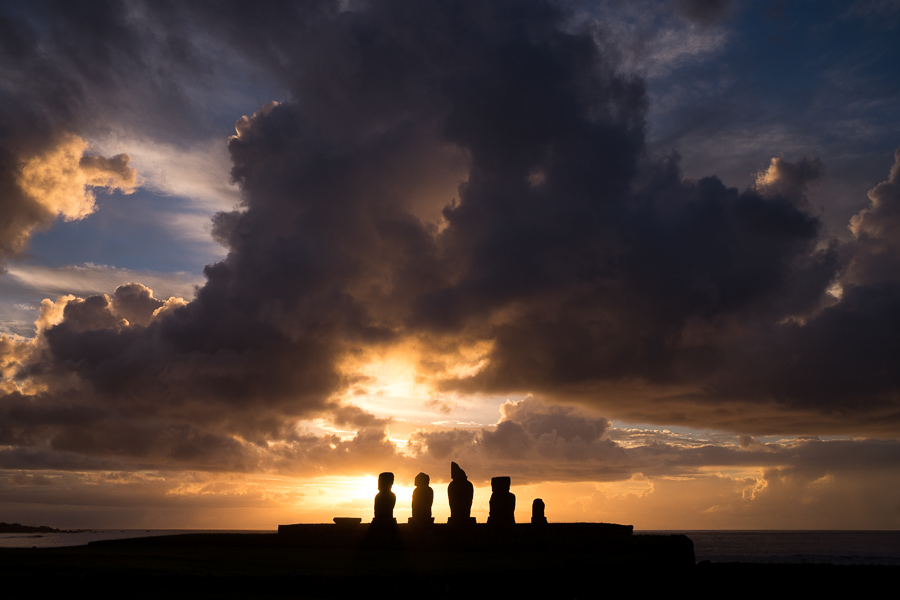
(385, 500)
(503, 503)
(460, 493)
(537, 512)
(422, 499)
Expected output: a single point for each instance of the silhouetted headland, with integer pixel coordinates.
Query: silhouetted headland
(17, 528)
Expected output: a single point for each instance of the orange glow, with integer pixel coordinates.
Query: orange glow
(59, 179)
(745, 499)
(400, 382)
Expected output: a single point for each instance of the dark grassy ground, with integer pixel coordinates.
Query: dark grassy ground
(273, 566)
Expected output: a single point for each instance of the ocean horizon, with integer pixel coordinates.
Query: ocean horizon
(836, 547)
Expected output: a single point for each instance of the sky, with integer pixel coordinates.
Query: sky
(643, 259)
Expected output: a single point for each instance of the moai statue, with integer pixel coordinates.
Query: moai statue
(460, 493)
(422, 499)
(537, 512)
(503, 503)
(385, 500)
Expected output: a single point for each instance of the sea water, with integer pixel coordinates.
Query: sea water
(795, 547)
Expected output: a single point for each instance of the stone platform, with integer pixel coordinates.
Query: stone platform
(606, 543)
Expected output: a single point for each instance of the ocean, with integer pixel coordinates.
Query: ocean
(784, 547)
(795, 547)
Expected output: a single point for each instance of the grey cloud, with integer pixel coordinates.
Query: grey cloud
(705, 12)
(560, 421)
(875, 254)
(81, 438)
(92, 313)
(135, 302)
(685, 257)
(355, 417)
(790, 179)
(533, 440)
(508, 440)
(519, 449)
(444, 445)
(841, 358)
(883, 217)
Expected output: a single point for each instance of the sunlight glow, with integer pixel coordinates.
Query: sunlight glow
(836, 290)
(400, 382)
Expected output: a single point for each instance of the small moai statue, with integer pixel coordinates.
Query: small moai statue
(537, 512)
(385, 501)
(460, 493)
(503, 503)
(422, 499)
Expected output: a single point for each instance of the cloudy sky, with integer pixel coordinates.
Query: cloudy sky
(644, 260)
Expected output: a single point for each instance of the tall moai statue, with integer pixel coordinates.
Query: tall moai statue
(422, 499)
(385, 500)
(503, 503)
(460, 493)
(537, 512)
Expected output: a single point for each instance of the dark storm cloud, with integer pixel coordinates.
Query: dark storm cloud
(135, 302)
(73, 431)
(586, 262)
(842, 358)
(790, 180)
(705, 12)
(876, 252)
(657, 291)
(86, 67)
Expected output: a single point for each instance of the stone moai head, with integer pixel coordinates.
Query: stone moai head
(456, 472)
(422, 480)
(385, 481)
(500, 484)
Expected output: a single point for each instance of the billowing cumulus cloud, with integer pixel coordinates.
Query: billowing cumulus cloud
(789, 180)
(877, 230)
(59, 179)
(59, 182)
(466, 186)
